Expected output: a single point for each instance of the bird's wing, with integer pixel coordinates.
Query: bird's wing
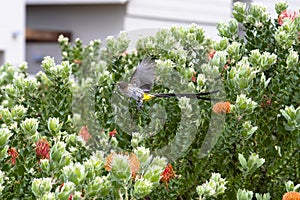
(144, 75)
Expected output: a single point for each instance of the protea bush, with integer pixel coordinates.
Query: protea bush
(68, 133)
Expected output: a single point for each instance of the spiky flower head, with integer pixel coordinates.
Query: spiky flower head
(84, 133)
(42, 149)
(168, 174)
(291, 196)
(221, 107)
(14, 155)
(286, 14)
(134, 163)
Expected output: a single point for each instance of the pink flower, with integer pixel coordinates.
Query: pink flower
(225, 67)
(211, 54)
(287, 14)
(194, 78)
(84, 133)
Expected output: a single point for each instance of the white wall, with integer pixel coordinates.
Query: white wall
(12, 26)
(165, 13)
(87, 22)
(270, 5)
(98, 21)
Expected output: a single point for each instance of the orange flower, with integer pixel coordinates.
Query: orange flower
(291, 196)
(221, 107)
(286, 14)
(14, 155)
(109, 160)
(42, 149)
(84, 133)
(113, 133)
(77, 61)
(168, 174)
(133, 162)
(134, 165)
(61, 185)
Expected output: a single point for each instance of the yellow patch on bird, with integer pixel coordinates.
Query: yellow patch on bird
(147, 97)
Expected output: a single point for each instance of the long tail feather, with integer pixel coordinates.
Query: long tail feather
(191, 96)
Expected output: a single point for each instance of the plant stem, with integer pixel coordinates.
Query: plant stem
(126, 193)
(120, 194)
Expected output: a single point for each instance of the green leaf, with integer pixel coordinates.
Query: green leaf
(243, 162)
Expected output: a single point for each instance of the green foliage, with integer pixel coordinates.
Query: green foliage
(290, 186)
(244, 195)
(270, 76)
(124, 152)
(44, 157)
(213, 188)
(35, 109)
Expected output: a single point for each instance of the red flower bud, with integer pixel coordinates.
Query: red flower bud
(168, 174)
(14, 155)
(42, 149)
(113, 133)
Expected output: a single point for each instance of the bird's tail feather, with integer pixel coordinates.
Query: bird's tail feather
(189, 95)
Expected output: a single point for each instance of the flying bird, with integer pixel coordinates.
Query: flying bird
(141, 83)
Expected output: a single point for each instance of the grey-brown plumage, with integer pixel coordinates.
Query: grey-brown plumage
(141, 82)
(144, 75)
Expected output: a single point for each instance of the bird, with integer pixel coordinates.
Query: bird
(141, 83)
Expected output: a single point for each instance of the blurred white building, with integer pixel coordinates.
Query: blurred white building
(97, 19)
(12, 31)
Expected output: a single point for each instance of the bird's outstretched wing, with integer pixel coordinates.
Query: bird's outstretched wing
(144, 75)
